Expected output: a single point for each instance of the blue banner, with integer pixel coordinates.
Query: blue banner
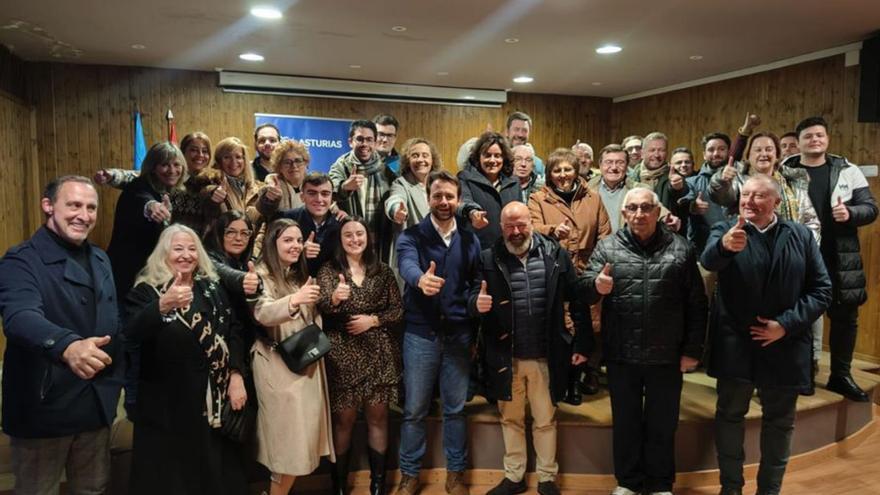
(326, 139)
(140, 144)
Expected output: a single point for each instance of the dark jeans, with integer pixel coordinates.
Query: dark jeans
(777, 425)
(644, 408)
(842, 336)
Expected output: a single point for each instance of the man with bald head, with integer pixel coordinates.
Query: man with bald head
(772, 285)
(525, 280)
(653, 323)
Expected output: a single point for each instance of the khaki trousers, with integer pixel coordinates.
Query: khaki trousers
(531, 383)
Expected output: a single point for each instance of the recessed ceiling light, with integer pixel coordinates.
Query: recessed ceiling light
(596, 83)
(511, 40)
(696, 57)
(523, 79)
(606, 49)
(264, 12)
(138, 46)
(354, 66)
(443, 73)
(399, 29)
(251, 57)
(469, 97)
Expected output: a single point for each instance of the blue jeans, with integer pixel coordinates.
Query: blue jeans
(447, 356)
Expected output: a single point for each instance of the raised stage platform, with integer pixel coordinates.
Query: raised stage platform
(826, 425)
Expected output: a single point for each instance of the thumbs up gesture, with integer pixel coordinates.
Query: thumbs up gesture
(159, 212)
(729, 172)
(86, 358)
(307, 294)
(701, 207)
(563, 230)
(342, 291)
(735, 239)
(840, 212)
(354, 181)
(102, 177)
(273, 193)
(676, 181)
(478, 219)
(251, 281)
(400, 214)
(604, 281)
(219, 195)
(429, 283)
(311, 248)
(178, 295)
(751, 121)
(484, 300)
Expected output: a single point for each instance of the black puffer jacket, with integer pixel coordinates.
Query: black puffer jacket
(657, 310)
(844, 260)
(496, 326)
(477, 194)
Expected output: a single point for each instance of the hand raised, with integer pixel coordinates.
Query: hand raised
(251, 281)
(479, 220)
(219, 195)
(311, 248)
(342, 292)
(179, 295)
(484, 300)
(735, 239)
(354, 181)
(429, 283)
(400, 214)
(85, 357)
(840, 212)
(604, 281)
(701, 207)
(563, 230)
(309, 293)
(729, 171)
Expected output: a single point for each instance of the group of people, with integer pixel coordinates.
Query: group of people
(497, 276)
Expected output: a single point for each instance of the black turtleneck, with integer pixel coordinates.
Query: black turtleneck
(566, 196)
(80, 254)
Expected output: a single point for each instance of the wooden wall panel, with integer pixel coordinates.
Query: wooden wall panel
(782, 98)
(86, 122)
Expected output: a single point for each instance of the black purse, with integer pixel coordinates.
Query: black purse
(238, 425)
(303, 348)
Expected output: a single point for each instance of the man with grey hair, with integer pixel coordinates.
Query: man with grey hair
(772, 285)
(519, 127)
(584, 154)
(524, 171)
(653, 324)
(654, 170)
(62, 371)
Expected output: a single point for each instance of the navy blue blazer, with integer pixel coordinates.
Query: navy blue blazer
(43, 299)
(458, 264)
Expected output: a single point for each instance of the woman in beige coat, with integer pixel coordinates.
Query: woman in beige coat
(293, 422)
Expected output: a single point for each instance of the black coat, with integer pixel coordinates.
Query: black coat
(795, 291)
(563, 285)
(657, 310)
(134, 236)
(843, 259)
(477, 194)
(175, 450)
(48, 301)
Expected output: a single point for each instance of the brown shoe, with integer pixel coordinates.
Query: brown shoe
(409, 485)
(455, 483)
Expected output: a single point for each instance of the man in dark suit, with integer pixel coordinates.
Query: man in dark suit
(61, 370)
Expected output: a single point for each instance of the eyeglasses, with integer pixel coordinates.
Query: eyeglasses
(362, 140)
(232, 233)
(644, 207)
(385, 135)
(296, 162)
(520, 159)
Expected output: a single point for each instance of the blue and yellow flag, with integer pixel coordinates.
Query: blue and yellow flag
(140, 145)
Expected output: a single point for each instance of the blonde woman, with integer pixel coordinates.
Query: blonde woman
(290, 163)
(190, 361)
(293, 419)
(230, 184)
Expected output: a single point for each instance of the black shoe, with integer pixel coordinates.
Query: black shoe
(548, 488)
(846, 386)
(507, 487)
(589, 383)
(377, 472)
(339, 474)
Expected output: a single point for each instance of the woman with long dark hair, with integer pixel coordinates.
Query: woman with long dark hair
(361, 305)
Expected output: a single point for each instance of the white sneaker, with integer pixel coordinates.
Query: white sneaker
(623, 491)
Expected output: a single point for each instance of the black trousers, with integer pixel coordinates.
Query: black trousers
(842, 336)
(644, 407)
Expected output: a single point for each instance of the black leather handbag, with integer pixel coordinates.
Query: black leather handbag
(238, 425)
(303, 348)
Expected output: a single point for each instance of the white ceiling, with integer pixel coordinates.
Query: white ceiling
(464, 38)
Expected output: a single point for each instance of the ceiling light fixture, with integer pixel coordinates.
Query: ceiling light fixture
(607, 49)
(511, 40)
(469, 97)
(266, 12)
(696, 57)
(251, 57)
(399, 29)
(596, 83)
(443, 73)
(138, 46)
(354, 66)
(523, 79)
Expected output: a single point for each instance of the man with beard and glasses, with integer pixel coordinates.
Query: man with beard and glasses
(439, 263)
(526, 279)
(266, 137)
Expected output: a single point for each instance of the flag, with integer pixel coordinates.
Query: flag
(140, 145)
(172, 127)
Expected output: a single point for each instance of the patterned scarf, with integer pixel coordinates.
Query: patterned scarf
(650, 177)
(366, 200)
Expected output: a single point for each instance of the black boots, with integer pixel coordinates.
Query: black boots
(339, 474)
(377, 472)
(573, 390)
